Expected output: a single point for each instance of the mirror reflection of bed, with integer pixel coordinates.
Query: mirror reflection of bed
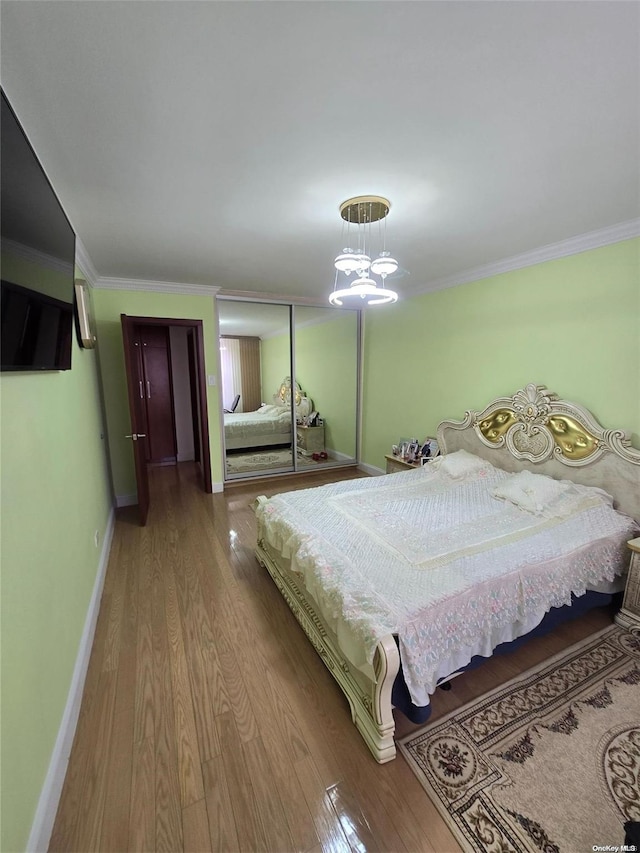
(281, 423)
(262, 440)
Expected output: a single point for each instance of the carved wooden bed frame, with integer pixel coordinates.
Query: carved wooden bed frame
(532, 429)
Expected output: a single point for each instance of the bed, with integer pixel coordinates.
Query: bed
(269, 425)
(402, 581)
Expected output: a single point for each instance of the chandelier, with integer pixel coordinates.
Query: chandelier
(358, 215)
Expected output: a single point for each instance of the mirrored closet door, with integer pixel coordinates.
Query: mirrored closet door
(289, 384)
(326, 369)
(255, 361)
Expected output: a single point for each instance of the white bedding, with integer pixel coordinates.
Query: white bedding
(440, 562)
(254, 429)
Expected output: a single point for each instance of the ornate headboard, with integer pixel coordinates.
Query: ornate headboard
(287, 391)
(535, 429)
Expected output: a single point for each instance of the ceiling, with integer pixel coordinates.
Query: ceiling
(211, 143)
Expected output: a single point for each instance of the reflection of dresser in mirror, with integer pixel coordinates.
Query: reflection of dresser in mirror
(310, 439)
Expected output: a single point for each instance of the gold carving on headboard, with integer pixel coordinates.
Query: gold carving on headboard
(495, 426)
(284, 392)
(536, 425)
(571, 437)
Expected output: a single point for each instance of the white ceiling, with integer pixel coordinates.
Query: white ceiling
(212, 142)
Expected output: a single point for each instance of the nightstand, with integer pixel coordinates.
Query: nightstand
(629, 614)
(310, 439)
(395, 464)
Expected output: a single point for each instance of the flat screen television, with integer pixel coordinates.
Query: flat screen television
(37, 258)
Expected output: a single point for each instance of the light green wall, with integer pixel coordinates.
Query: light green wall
(571, 324)
(108, 306)
(275, 364)
(55, 495)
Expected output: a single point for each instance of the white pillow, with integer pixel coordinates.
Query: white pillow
(461, 463)
(531, 492)
(304, 407)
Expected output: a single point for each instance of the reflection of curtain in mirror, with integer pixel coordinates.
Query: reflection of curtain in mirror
(250, 370)
(231, 372)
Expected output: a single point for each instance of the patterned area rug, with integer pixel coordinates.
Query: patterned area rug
(261, 460)
(550, 762)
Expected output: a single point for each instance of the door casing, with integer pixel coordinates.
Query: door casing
(198, 384)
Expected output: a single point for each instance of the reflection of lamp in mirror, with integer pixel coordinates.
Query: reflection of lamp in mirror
(359, 213)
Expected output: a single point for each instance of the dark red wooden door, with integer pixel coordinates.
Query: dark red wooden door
(158, 393)
(137, 436)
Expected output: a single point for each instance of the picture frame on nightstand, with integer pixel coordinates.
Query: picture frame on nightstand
(429, 449)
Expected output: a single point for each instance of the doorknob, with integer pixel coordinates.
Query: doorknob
(136, 435)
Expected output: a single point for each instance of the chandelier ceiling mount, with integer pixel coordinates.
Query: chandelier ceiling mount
(365, 208)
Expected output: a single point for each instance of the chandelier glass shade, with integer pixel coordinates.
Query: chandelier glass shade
(384, 265)
(358, 214)
(351, 261)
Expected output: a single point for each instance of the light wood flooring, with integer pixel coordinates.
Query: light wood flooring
(208, 722)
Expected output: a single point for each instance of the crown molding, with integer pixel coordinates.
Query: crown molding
(156, 286)
(84, 264)
(35, 256)
(572, 246)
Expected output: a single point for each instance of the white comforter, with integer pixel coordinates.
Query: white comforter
(443, 564)
(251, 424)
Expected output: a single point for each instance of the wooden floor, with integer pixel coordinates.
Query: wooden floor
(208, 722)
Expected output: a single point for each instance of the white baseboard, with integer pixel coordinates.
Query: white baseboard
(47, 808)
(126, 500)
(370, 469)
(217, 487)
(339, 457)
